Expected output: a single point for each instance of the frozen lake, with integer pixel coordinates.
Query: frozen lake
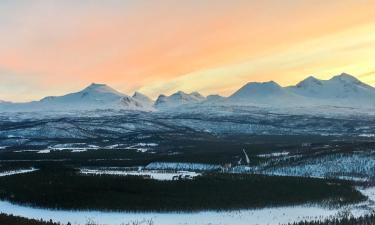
(267, 216)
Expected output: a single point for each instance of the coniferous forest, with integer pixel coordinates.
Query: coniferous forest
(67, 189)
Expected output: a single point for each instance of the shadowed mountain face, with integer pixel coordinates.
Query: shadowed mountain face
(143, 98)
(178, 99)
(342, 90)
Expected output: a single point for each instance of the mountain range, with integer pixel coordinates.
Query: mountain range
(342, 90)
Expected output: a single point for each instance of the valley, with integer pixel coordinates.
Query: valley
(57, 158)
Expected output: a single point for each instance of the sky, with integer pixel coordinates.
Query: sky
(50, 47)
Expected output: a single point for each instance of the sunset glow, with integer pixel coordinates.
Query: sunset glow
(55, 47)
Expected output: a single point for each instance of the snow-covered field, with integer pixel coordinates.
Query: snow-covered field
(267, 216)
(157, 175)
(14, 172)
(182, 166)
(275, 154)
(357, 167)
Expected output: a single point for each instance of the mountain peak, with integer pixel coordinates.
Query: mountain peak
(138, 94)
(309, 81)
(255, 90)
(345, 78)
(101, 88)
(96, 86)
(270, 85)
(180, 93)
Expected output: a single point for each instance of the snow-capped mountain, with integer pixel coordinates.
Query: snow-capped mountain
(177, 99)
(342, 89)
(95, 96)
(267, 93)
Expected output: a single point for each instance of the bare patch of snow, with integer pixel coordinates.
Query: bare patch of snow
(275, 154)
(15, 172)
(182, 166)
(45, 151)
(157, 175)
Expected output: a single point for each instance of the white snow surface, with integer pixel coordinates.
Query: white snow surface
(95, 96)
(15, 172)
(341, 90)
(182, 166)
(356, 167)
(341, 94)
(156, 175)
(275, 154)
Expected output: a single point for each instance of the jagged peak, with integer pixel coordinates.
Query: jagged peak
(140, 95)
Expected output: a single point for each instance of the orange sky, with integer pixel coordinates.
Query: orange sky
(213, 46)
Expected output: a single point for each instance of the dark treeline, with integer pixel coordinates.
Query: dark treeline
(16, 220)
(64, 188)
(199, 148)
(363, 220)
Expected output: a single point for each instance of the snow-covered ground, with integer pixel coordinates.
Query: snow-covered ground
(142, 147)
(182, 166)
(357, 167)
(266, 216)
(14, 172)
(275, 154)
(157, 175)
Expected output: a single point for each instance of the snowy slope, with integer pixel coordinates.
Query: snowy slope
(267, 93)
(145, 100)
(95, 96)
(177, 99)
(340, 93)
(342, 89)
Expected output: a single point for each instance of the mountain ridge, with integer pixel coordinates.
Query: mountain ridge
(340, 90)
